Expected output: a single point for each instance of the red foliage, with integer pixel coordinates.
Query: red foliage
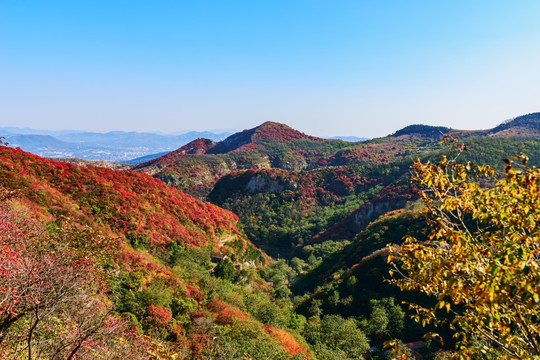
(31, 274)
(191, 290)
(197, 147)
(157, 315)
(224, 313)
(44, 276)
(135, 205)
(288, 342)
(199, 345)
(272, 130)
(196, 315)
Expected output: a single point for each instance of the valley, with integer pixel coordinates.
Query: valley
(265, 244)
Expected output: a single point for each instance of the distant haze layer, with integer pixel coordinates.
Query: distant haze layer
(356, 68)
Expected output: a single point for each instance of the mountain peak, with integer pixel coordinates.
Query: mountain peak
(423, 130)
(265, 131)
(197, 146)
(529, 123)
(275, 130)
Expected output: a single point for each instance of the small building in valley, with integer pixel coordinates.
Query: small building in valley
(217, 257)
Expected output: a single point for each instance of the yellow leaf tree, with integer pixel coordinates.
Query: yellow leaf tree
(481, 260)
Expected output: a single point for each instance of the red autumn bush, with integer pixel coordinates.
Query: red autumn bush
(288, 342)
(157, 315)
(225, 314)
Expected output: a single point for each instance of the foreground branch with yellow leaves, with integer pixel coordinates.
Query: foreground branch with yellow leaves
(481, 259)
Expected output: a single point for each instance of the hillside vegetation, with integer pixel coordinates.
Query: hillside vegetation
(155, 271)
(280, 253)
(322, 215)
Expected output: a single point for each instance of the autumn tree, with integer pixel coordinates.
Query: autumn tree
(53, 301)
(481, 259)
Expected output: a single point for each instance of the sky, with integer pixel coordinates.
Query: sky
(327, 68)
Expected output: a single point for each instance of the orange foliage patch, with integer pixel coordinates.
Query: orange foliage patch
(286, 340)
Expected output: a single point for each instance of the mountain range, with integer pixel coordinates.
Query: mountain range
(114, 146)
(266, 244)
(117, 146)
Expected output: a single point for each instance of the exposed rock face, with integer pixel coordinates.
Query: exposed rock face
(264, 184)
(373, 209)
(292, 162)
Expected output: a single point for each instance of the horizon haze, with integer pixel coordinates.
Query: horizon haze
(359, 69)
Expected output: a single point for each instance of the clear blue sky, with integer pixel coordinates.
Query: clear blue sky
(364, 68)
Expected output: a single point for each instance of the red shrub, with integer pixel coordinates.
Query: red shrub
(157, 315)
(286, 340)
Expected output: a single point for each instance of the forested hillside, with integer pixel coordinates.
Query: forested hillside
(134, 251)
(283, 253)
(327, 219)
(196, 167)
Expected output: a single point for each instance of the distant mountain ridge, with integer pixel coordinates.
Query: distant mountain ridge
(117, 146)
(524, 125)
(31, 131)
(145, 158)
(423, 130)
(347, 138)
